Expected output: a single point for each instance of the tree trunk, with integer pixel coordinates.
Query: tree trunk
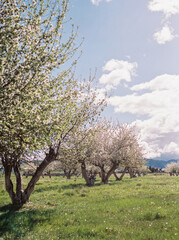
(50, 157)
(8, 182)
(18, 199)
(132, 174)
(109, 173)
(85, 175)
(122, 175)
(67, 174)
(103, 175)
(115, 175)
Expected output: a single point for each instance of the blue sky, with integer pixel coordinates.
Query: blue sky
(134, 45)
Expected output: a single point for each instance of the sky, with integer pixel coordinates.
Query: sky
(134, 45)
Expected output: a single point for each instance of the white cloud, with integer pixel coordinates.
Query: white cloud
(150, 150)
(172, 147)
(118, 71)
(164, 35)
(168, 7)
(159, 104)
(96, 2)
(162, 82)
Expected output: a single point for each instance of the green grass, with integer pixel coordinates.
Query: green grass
(145, 208)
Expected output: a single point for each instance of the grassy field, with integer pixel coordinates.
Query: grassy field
(145, 208)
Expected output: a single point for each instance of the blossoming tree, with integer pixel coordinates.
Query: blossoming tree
(41, 102)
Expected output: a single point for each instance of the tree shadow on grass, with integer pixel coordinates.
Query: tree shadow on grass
(70, 186)
(17, 223)
(60, 187)
(10, 207)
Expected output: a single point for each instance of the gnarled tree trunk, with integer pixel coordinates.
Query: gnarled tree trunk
(132, 173)
(50, 157)
(89, 181)
(105, 176)
(116, 177)
(19, 197)
(8, 182)
(124, 172)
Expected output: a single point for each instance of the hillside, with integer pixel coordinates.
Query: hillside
(159, 163)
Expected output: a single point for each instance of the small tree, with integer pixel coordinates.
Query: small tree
(115, 145)
(68, 163)
(77, 151)
(133, 161)
(172, 168)
(102, 148)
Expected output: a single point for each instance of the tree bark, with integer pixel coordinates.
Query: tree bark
(88, 181)
(122, 175)
(84, 173)
(109, 173)
(115, 175)
(132, 174)
(103, 175)
(18, 199)
(8, 182)
(67, 174)
(50, 157)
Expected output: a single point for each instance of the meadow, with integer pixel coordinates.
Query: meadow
(144, 208)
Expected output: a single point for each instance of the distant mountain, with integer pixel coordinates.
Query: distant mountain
(159, 163)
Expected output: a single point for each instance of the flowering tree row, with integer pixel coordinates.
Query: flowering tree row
(100, 150)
